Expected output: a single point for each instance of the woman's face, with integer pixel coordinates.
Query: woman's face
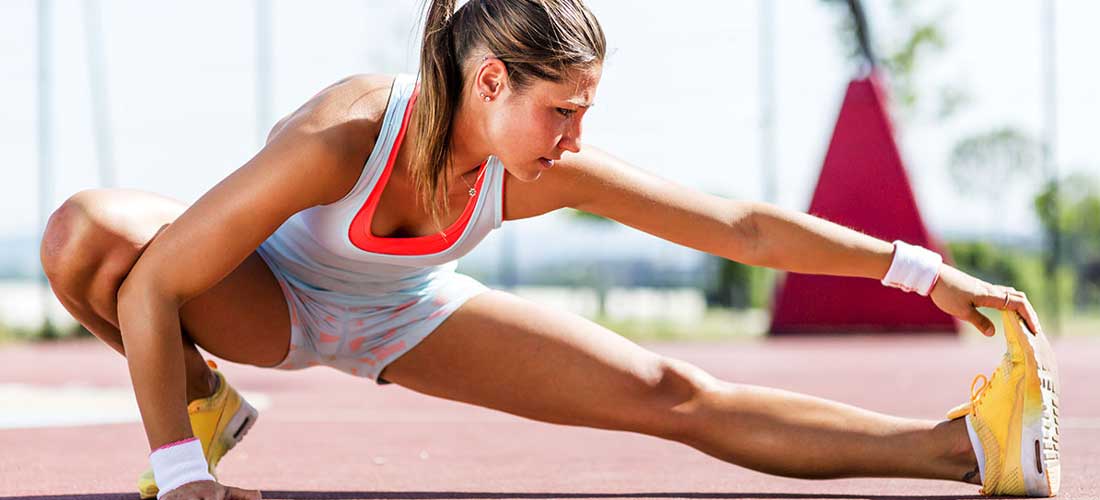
(528, 131)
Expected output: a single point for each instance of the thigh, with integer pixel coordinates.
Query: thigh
(244, 318)
(507, 353)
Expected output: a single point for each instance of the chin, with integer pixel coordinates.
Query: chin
(530, 174)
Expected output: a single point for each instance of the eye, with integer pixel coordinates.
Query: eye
(566, 112)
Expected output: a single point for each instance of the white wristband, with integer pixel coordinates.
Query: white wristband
(177, 464)
(914, 268)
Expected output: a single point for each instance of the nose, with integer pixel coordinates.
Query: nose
(570, 144)
(571, 139)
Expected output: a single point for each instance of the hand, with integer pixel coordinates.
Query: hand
(210, 490)
(960, 294)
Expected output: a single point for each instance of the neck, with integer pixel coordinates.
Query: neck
(467, 150)
(469, 147)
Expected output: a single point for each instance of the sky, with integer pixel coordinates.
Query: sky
(679, 96)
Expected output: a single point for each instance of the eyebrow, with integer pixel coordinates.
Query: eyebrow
(580, 103)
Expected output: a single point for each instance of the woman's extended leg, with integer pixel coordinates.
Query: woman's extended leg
(503, 352)
(93, 240)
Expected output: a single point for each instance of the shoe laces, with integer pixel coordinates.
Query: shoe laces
(976, 395)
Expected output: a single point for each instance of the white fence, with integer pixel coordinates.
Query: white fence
(683, 305)
(21, 303)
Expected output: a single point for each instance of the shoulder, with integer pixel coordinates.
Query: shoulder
(345, 117)
(346, 108)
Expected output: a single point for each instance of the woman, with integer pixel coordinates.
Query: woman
(336, 245)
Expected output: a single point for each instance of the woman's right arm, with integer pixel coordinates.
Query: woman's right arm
(300, 167)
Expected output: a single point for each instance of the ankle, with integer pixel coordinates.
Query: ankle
(205, 388)
(961, 453)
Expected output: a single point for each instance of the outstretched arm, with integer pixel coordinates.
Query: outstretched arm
(799, 242)
(759, 233)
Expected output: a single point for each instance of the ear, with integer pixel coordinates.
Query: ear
(490, 78)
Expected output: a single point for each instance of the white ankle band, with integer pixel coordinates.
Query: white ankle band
(177, 464)
(914, 268)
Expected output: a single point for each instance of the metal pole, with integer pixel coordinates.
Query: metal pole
(863, 31)
(766, 82)
(45, 153)
(1049, 57)
(263, 70)
(101, 120)
(509, 276)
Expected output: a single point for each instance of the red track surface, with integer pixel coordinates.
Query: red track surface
(329, 435)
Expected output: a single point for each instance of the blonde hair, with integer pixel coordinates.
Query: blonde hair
(535, 39)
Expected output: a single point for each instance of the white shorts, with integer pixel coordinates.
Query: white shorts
(336, 330)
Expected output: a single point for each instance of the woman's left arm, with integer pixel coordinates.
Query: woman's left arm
(756, 233)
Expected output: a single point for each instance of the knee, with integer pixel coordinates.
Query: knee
(72, 244)
(65, 228)
(677, 395)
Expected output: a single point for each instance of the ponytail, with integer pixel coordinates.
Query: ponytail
(440, 89)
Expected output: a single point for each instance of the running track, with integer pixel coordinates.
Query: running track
(329, 435)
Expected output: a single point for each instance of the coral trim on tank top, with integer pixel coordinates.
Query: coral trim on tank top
(360, 233)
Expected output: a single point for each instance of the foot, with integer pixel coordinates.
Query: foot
(1012, 417)
(220, 421)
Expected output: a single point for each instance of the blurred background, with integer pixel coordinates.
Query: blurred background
(993, 105)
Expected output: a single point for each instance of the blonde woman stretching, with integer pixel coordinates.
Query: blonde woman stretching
(336, 245)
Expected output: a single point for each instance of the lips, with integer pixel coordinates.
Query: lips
(546, 162)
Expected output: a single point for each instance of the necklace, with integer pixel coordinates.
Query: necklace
(472, 190)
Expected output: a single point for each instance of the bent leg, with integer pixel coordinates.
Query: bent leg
(510, 354)
(93, 240)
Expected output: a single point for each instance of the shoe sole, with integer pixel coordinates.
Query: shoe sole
(1039, 447)
(238, 427)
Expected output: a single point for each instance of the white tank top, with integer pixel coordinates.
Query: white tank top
(329, 247)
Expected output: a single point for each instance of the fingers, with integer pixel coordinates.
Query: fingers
(205, 489)
(1010, 299)
(981, 322)
(242, 494)
(211, 490)
(1028, 313)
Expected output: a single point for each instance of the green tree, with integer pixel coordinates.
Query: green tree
(988, 164)
(1077, 218)
(740, 285)
(915, 39)
(600, 279)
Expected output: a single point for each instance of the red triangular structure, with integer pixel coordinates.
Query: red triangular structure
(863, 185)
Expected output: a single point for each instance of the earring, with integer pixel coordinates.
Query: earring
(487, 98)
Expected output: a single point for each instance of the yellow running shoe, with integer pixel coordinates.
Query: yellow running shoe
(1012, 417)
(219, 421)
